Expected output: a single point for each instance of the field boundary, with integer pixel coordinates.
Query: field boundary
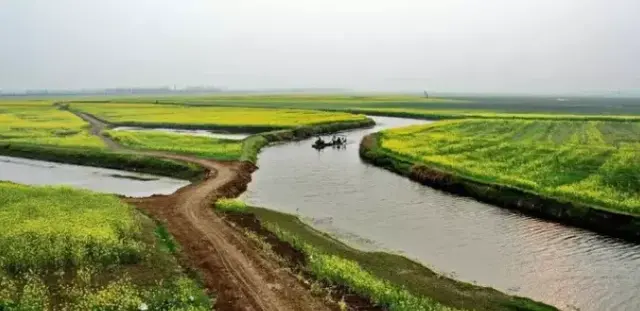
(616, 224)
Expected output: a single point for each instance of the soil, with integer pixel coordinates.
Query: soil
(231, 265)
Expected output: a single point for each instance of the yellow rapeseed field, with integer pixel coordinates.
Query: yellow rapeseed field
(42, 123)
(595, 162)
(67, 249)
(162, 114)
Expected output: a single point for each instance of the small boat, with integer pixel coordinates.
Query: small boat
(336, 141)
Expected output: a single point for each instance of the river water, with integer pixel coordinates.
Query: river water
(31, 172)
(203, 133)
(374, 209)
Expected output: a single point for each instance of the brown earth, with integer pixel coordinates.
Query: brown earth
(233, 267)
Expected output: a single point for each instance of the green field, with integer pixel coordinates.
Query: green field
(207, 147)
(453, 106)
(43, 124)
(438, 114)
(66, 249)
(209, 117)
(593, 162)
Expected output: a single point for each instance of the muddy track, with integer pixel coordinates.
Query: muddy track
(233, 267)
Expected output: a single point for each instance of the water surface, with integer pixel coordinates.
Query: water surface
(375, 209)
(203, 133)
(32, 172)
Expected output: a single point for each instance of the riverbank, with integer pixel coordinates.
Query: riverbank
(252, 145)
(408, 285)
(616, 224)
(126, 161)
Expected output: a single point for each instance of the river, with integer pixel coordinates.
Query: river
(32, 172)
(202, 133)
(372, 208)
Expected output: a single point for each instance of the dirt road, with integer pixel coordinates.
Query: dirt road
(233, 267)
(97, 127)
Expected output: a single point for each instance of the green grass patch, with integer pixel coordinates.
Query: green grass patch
(231, 205)
(208, 147)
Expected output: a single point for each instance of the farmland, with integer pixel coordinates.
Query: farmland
(67, 249)
(253, 120)
(593, 162)
(412, 105)
(43, 124)
(564, 153)
(207, 147)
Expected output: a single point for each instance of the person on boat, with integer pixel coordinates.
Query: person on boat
(319, 141)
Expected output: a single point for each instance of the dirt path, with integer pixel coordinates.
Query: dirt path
(233, 267)
(97, 127)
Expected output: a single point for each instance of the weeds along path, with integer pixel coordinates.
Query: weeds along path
(233, 267)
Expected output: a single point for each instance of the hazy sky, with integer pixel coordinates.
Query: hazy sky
(440, 45)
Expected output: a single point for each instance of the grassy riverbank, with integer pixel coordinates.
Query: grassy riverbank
(589, 186)
(66, 249)
(389, 280)
(252, 145)
(595, 163)
(207, 147)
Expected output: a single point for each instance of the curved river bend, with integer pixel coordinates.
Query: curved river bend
(375, 209)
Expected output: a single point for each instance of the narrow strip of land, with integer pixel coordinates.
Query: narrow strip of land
(241, 277)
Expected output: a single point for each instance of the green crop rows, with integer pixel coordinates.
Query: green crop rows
(593, 162)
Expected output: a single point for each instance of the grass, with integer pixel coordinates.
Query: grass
(66, 249)
(389, 280)
(592, 162)
(41, 123)
(231, 205)
(215, 148)
(247, 119)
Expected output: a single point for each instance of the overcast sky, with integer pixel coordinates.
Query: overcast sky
(531, 46)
